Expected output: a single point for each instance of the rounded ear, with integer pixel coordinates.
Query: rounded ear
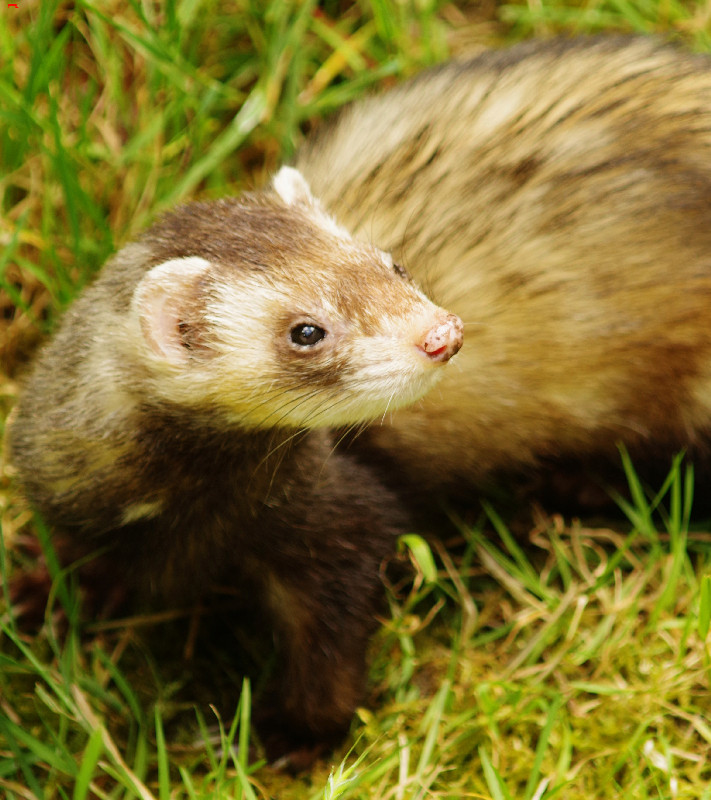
(165, 302)
(292, 187)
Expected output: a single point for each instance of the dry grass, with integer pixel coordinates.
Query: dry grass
(574, 664)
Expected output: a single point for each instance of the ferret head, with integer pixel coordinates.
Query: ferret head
(263, 310)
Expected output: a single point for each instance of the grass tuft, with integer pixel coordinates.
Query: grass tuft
(573, 662)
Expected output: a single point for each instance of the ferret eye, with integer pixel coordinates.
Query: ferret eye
(399, 270)
(307, 335)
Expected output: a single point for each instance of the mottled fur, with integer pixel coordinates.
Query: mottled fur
(174, 422)
(557, 197)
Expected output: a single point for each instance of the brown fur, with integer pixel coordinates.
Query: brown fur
(557, 197)
(175, 423)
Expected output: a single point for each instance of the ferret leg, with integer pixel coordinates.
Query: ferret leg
(324, 622)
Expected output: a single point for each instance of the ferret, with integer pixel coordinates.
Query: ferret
(556, 196)
(181, 419)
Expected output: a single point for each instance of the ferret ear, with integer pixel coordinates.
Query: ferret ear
(292, 187)
(165, 304)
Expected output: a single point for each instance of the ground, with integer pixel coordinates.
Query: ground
(570, 662)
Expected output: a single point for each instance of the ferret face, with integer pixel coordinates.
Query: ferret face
(267, 312)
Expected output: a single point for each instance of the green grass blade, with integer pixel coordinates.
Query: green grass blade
(494, 781)
(422, 555)
(21, 756)
(90, 758)
(161, 758)
(704, 607)
(243, 720)
(544, 743)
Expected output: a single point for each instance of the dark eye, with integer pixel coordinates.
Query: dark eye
(307, 335)
(400, 271)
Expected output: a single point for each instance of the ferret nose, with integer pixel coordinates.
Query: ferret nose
(443, 339)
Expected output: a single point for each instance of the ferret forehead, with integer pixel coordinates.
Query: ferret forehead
(255, 231)
(345, 283)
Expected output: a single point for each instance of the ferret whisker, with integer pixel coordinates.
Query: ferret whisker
(325, 410)
(269, 398)
(343, 435)
(357, 429)
(281, 413)
(387, 406)
(281, 447)
(533, 191)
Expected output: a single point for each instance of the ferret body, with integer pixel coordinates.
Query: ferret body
(180, 417)
(557, 197)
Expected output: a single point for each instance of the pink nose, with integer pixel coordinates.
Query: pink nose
(443, 339)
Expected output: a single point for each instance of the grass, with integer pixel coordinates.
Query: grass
(573, 663)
